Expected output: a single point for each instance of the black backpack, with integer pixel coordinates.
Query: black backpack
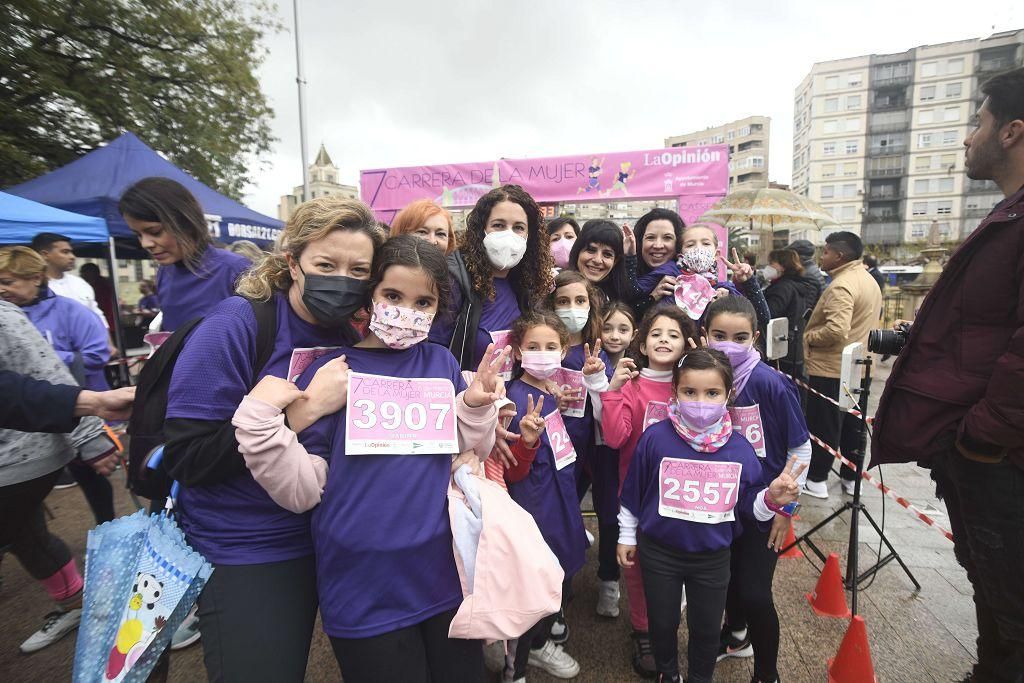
(146, 425)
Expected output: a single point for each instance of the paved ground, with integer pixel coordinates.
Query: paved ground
(924, 636)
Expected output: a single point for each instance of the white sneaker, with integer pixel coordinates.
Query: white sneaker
(817, 489)
(608, 599)
(555, 660)
(57, 625)
(188, 632)
(848, 486)
(682, 603)
(590, 537)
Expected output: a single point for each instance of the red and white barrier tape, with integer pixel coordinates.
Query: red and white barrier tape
(831, 400)
(903, 502)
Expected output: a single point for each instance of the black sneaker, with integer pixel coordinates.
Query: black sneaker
(65, 480)
(560, 630)
(731, 646)
(643, 655)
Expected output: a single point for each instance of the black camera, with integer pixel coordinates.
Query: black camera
(888, 342)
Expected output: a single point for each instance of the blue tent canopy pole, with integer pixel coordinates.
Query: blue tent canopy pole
(122, 369)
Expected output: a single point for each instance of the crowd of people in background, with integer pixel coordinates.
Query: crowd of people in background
(638, 349)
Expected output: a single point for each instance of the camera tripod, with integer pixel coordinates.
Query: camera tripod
(856, 508)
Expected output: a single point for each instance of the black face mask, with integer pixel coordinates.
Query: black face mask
(332, 299)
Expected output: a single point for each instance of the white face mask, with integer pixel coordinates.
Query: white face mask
(770, 273)
(575, 319)
(505, 249)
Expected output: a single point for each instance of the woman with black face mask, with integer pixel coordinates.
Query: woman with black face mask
(256, 614)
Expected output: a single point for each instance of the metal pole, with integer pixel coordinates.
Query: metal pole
(122, 370)
(301, 81)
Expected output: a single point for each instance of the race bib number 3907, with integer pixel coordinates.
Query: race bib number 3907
(698, 490)
(399, 416)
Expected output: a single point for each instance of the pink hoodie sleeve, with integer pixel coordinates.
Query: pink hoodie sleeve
(476, 427)
(292, 477)
(616, 417)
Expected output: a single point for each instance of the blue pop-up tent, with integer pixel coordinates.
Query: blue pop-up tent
(93, 184)
(22, 219)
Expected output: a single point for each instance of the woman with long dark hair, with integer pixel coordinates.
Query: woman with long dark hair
(601, 256)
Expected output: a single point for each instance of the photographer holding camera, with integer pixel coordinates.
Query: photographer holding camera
(954, 402)
(847, 310)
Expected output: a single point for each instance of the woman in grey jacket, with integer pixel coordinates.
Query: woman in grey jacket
(29, 465)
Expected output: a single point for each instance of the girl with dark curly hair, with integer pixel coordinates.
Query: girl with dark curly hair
(503, 266)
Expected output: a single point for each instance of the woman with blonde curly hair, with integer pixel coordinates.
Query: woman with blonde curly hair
(428, 221)
(502, 268)
(257, 612)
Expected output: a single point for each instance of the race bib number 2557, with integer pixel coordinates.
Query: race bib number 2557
(698, 490)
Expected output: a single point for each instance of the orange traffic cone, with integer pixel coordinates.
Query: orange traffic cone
(829, 596)
(793, 551)
(852, 664)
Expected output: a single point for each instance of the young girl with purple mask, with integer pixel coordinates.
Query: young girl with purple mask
(767, 412)
(680, 513)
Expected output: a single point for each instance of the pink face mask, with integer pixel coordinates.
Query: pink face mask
(399, 327)
(560, 252)
(541, 364)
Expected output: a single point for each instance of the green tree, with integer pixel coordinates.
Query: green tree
(180, 74)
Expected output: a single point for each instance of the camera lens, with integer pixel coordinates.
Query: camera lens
(886, 342)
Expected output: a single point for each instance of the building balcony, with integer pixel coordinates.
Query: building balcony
(891, 81)
(887, 105)
(888, 150)
(895, 127)
(976, 212)
(994, 66)
(874, 218)
(885, 196)
(882, 233)
(982, 186)
(886, 172)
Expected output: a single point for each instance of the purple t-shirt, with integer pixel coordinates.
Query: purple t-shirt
(650, 280)
(185, 295)
(581, 429)
(381, 533)
(235, 522)
(641, 489)
(782, 418)
(496, 316)
(549, 494)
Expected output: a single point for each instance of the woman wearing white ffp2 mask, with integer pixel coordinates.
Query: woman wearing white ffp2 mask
(502, 265)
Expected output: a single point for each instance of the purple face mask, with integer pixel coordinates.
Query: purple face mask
(698, 415)
(743, 359)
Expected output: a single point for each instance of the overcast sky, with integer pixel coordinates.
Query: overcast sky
(407, 83)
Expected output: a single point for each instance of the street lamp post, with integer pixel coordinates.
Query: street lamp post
(301, 81)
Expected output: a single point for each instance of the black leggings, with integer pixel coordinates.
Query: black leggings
(23, 527)
(706, 576)
(418, 653)
(96, 488)
(834, 427)
(750, 604)
(257, 621)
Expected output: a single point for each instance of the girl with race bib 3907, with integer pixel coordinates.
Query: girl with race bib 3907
(767, 413)
(690, 481)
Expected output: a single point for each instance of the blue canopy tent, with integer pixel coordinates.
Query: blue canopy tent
(93, 184)
(22, 219)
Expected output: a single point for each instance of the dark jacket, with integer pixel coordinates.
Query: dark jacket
(961, 372)
(789, 297)
(35, 405)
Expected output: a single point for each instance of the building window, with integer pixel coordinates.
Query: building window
(831, 105)
(828, 149)
(949, 137)
(922, 163)
(955, 66)
(717, 139)
(828, 170)
(927, 93)
(944, 208)
(849, 190)
(929, 69)
(744, 131)
(921, 186)
(854, 79)
(954, 89)
(951, 114)
(831, 126)
(832, 83)
(919, 209)
(849, 212)
(852, 125)
(945, 184)
(926, 116)
(852, 146)
(757, 162)
(853, 102)
(947, 161)
(828, 191)
(122, 263)
(919, 230)
(924, 139)
(850, 169)
(730, 135)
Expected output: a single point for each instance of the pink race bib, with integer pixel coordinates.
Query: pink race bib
(398, 416)
(558, 437)
(303, 358)
(572, 380)
(655, 413)
(693, 294)
(698, 490)
(501, 340)
(747, 421)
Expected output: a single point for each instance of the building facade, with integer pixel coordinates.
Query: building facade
(878, 139)
(324, 180)
(748, 149)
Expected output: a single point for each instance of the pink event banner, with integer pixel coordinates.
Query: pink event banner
(687, 173)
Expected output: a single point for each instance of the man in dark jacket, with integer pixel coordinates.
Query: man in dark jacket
(955, 399)
(871, 263)
(805, 250)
